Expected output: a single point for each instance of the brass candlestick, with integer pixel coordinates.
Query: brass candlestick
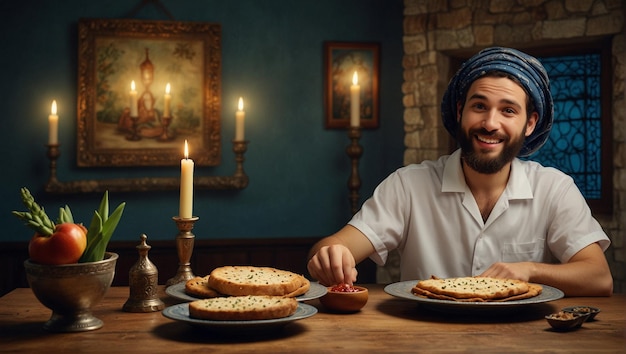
(354, 151)
(184, 246)
(53, 154)
(134, 136)
(165, 123)
(240, 147)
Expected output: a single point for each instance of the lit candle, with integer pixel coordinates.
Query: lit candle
(167, 99)
(53, 122)
(133, 100)
(354, 101)
(186, 186)
(239, 121)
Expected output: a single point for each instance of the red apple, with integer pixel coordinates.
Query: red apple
(66, 245)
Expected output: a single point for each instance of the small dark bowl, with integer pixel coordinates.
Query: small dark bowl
(591, 311)
(565, 321)
(340, 301)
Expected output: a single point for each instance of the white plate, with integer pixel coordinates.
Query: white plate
(403, 290)
(180, 312)
(178, 291)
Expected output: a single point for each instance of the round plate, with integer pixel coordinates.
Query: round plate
(178, 291)
(180, 312)
(403, 290)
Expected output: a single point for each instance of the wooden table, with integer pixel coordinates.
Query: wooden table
(385, 324)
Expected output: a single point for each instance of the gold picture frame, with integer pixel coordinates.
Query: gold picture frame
(114, 52)
(341, 60)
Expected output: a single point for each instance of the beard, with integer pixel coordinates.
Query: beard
(479, 162)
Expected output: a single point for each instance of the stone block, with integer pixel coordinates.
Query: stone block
(578, 5)
(412, 140)
(455, 19)
(445, 39)
(564, 28)
(414, 24)
(604, 25)
(414, 44)
(410, 156)
(412, 116)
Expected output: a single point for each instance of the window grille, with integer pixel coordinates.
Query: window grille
(575, 143)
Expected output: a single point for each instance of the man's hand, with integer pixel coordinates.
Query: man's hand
(586, 273)
(521, 271)
(333, 265)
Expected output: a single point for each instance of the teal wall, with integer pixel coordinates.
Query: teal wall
(271, 55)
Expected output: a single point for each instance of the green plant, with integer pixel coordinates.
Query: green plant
(98, 235)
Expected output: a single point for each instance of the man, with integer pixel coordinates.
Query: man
(481, 210)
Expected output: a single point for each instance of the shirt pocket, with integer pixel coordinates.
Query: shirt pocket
(524, 252)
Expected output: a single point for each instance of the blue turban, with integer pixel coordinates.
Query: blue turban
(527, 69)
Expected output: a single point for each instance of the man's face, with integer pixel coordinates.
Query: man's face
(493, 124)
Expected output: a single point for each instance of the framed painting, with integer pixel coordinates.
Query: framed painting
(341, 61)
(144, 87)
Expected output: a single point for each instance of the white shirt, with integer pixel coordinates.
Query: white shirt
(428, 212)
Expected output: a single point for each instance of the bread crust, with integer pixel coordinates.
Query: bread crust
(251, 280)
(475, 289)
(243, 308)
(199, 287)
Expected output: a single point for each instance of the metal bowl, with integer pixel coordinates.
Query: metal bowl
(71, 290)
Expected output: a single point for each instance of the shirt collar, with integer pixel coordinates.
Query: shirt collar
(518, 186)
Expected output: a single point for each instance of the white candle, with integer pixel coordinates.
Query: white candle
(186, 186)
(167, 99)
(239, 121)
(355, 114)
(53, 124)
(133, 100)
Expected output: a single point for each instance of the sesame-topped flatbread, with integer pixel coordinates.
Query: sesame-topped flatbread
(251, 307)
(251, 280)
(475, 289)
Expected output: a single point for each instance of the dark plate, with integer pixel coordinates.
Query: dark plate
(180, 313)
(403, 290)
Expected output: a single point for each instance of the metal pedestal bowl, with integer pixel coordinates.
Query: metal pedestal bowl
(71, 290)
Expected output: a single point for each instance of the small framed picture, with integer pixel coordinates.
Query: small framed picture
(341, 61)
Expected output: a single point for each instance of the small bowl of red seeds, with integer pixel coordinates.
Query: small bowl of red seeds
(345, 298)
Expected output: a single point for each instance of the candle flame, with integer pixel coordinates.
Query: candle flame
(132, 85)
(240, 105)
(167, 88)
(355, 78)
(186, 150)
(53, 108)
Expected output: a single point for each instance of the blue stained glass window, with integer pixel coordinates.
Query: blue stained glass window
(574, 146)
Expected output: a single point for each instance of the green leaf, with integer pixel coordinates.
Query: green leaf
(107, 230)
(70, 216)
(103, 209)
(101, 230)
(65, 215)
(93, 236)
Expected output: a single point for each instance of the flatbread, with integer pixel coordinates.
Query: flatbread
(475, 289)
(534, 290)
(199, 287)
(251, 280)
(252, 307)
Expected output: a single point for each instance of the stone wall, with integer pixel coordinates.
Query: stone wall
(433, 28)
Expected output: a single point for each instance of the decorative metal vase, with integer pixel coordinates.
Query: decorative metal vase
(71, 290)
